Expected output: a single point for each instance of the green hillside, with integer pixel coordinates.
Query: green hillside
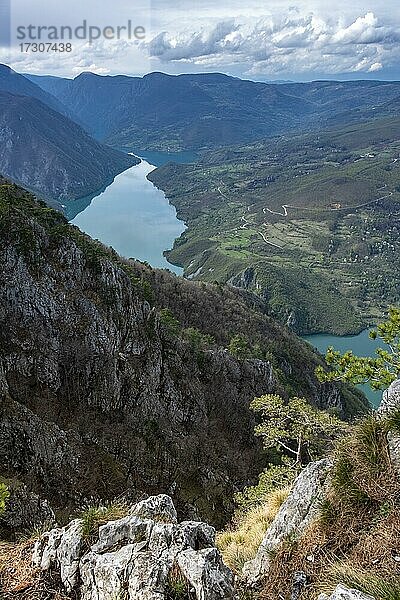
(310, 222)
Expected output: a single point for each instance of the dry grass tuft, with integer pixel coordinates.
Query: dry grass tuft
(20, 580)
(375, 584)
(356, 540)
(240, 543)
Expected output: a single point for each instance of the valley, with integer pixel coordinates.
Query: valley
(310, 223)
(177, 253)
(46, 151)
(124, 381)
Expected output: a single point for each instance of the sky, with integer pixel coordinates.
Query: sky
(279, 40)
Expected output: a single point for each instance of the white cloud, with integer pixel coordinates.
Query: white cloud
(375, 67)
(296, 43)
(282, 39)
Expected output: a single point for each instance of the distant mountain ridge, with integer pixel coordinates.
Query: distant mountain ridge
(47, 152)
(186, 112)
(14, 83)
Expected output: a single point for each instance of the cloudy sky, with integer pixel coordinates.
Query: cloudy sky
(275, 40)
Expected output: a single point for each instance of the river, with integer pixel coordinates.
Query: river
(361, 345)
(132, 215)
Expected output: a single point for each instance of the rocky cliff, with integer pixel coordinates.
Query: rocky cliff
(100, 397)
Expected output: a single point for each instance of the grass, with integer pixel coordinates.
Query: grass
(96, 516)
(380, 588)
(18, 577)
(363, 473)
(393, 421)
(240, 543)
(178, 587)
(356, 536)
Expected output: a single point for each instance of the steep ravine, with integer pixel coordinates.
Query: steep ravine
(98, 398)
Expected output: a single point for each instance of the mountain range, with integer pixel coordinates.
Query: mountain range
(82, 124)
(187, 112)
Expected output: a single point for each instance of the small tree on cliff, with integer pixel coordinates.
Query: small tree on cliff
(299, 432)
(379, 371)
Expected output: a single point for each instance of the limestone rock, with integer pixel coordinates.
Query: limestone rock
(61, 548)
(390, 399)
(394, 449)
(138, 556)
(344, 593)
(103, 575)
(295, 514)
(158, 507)
(127, 530)
(391, 402)
(206, 572)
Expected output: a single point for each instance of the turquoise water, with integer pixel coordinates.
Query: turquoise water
(361, 345)
(132, 216)
(162, 158)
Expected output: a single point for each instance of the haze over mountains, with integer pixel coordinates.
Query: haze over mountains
(187, 112)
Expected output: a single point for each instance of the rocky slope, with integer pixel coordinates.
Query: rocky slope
(16, 84)
(50, 154)
(141, 552)
(339, 528)
(100, 397)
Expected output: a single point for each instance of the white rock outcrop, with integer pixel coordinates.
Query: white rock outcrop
(390, 399)
(344, 593)
(295, 514)
(138, 557)
(390, 403)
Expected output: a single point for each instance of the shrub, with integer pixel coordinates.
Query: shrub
(169, 321)
(198, 341)
(239, 347)
(4, 496)
(275, 477)
(379, 371)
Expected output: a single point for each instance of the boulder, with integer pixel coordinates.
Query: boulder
(61, 548)
(206, 573)
(294, 516)
(390, 399)
(344, 593)
(157, 508)
(103, 575)
(138, 556)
